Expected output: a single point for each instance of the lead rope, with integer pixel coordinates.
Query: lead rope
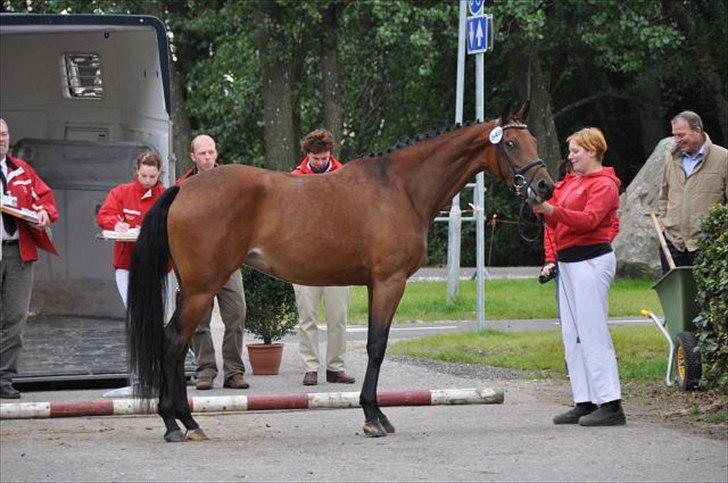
(559, 286)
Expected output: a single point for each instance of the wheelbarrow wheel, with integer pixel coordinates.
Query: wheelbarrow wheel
(687, 361)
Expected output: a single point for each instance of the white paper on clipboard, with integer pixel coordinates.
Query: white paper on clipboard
(129, 235)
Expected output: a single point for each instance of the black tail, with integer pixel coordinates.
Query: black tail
(145, 301)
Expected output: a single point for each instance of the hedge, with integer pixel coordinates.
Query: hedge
(711, 276)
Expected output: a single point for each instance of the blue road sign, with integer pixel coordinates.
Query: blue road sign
(476, 6)
(478, 33)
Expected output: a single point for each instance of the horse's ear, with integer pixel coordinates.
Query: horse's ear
(506, 114)
(522, 112)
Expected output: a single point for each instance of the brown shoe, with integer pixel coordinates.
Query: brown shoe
(310, 378)
(339, 376)
(203, 383)
(236, 382)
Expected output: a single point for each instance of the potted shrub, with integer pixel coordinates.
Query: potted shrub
(271, 314)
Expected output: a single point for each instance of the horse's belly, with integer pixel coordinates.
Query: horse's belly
(313, 271)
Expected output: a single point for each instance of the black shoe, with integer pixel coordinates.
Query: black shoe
(608, 414)
(7, 391)
(572, 415)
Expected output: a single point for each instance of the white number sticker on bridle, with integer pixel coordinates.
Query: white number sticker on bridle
(495, 135)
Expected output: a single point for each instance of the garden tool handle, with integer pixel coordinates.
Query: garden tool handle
(663, 243)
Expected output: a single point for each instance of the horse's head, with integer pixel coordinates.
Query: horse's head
(516, 152)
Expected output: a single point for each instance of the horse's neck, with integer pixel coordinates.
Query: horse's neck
(441, 169)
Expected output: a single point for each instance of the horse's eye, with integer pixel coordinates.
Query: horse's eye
(510, 144)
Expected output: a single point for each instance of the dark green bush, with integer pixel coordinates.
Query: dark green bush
(271, 306)
(711, 276)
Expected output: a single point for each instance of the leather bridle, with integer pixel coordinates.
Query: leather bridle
(521, 185)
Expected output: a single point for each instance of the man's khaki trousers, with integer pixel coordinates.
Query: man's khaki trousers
(336, 304)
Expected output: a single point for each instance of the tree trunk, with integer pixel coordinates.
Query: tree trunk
(652, 116)
(180, 125)
(535, 86)
(333, 119)
(280, 153)
(713, 82)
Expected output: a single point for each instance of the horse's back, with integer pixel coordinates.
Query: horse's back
(330, 229)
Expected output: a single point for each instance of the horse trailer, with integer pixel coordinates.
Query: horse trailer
(82, 95)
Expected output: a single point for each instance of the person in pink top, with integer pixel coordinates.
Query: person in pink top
(581, 220)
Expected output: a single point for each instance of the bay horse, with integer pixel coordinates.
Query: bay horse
(364, 224)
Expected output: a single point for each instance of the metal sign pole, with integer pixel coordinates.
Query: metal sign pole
(480, 197)
(455, 219)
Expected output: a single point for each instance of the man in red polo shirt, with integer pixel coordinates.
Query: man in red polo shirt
(317, 147)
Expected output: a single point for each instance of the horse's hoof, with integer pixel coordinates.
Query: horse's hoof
(175, 436)
(373, 429)
(196, 435)
(384, 421)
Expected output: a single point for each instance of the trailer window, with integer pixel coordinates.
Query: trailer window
(82, 76)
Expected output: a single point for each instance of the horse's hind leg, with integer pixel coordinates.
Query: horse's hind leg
(384, 296)
(173, 402)
(182, 409)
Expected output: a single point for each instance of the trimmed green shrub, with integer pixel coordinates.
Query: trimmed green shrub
(271, 306)
(711, 276)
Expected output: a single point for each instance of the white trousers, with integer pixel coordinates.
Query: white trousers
(122, 284)
(336, 303)
(583, 305)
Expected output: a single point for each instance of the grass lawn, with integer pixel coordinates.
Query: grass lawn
(641, 351)
(504, 299)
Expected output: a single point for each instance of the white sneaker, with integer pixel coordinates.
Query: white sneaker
(120, 392)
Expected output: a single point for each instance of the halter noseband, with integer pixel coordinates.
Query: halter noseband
(520, 184)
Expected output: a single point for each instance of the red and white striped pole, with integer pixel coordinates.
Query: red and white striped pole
(314, 400)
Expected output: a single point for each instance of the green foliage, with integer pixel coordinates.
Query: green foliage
(711, 276)
(271, 306)
(396, 64)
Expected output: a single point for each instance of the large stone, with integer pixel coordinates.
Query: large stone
(636, 246)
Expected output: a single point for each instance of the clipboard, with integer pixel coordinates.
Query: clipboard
(42, 237)
(23, 214)
(128, 236)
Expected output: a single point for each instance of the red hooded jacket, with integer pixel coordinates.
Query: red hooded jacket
(303, 168)
(129, 203)
(32, 193)
(585, 212)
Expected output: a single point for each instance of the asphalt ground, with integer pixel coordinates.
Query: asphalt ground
(513, 441)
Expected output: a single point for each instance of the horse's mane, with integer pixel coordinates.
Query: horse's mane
(419, 138)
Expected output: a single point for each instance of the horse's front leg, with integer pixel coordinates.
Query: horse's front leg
(384, 296)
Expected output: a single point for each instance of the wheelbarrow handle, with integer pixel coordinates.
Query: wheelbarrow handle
(661, 327)
(661, 238)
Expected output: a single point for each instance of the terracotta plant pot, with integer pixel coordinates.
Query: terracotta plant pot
(265, 359)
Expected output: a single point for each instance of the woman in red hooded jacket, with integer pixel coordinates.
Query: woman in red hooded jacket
(124, 209)
(582, 221)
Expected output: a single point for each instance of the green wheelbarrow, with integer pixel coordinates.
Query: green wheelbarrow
(676, 291)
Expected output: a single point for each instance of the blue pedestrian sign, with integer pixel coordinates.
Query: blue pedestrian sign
(478, 33)
(476, 6)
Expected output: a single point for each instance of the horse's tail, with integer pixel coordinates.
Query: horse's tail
(146, 299)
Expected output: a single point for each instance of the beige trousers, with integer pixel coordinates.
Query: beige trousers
(336, 303)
